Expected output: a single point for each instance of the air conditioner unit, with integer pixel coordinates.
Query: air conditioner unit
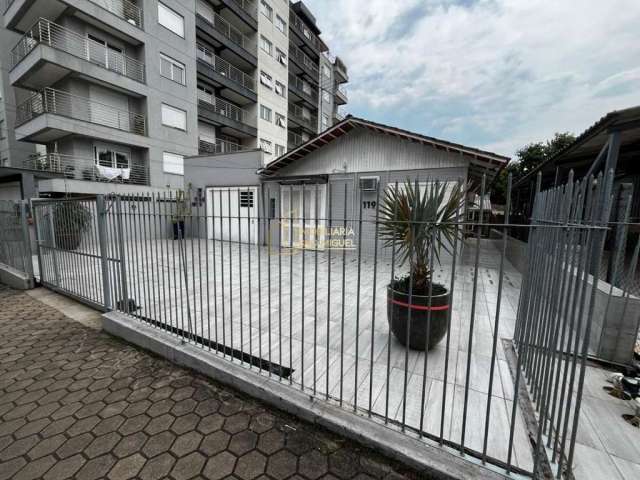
(369, 184)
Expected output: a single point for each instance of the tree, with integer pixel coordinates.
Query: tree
(527, 159)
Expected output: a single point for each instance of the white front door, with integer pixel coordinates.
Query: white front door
(232, 214)
(302, 211)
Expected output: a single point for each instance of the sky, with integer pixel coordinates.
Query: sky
(493, 74)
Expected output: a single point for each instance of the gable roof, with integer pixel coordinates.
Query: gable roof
(481, 162)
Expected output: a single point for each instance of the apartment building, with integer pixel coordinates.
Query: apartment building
(120, 91)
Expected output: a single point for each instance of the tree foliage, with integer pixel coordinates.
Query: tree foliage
(527, 159)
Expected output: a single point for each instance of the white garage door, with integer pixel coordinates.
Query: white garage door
(234, 212)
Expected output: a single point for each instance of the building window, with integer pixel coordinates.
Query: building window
(280, 120)
(266, 80)
(325, 96)
(280, 90)
(265, 113)
(281, 24)
(325, 121)
(281, 56)
(266, 45)
(246, 199)
(174, 117)
(266, 146)
(279, 150)
(266, 10)
(170, 19)
(172, 69)
(173, 163)
(107, 157)
(326, 71)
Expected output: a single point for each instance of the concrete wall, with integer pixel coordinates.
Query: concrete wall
(224, 170)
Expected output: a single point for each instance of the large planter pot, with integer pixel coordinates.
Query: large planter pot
(69, 240)
(424, 311)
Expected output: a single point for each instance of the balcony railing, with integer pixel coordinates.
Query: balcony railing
(220, 146)
(294, 140)
(77, 168)
(299, 115)
(226, 29)
(129, 11)
(304, 87)
(303, 59)
(60, 38)
(249, 6)
(338, 116)
(341, 91)
(62, 103)
(226, 109)
(225, 69)
(298, 24)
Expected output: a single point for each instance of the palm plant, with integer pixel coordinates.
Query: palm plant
(419, 220)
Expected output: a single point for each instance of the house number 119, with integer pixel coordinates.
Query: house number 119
(368, 205)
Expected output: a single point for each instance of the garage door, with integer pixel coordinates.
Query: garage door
(234, 214)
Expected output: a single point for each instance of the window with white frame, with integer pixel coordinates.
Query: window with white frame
(174, 117)
(281, 24)
(170, 19)
(266, 9)
(266, 80)
(266, 45)
(266, 146)
(280, 150)
(106, 156)
(280, 90)
(281, 56)
(280, 120)
(173, 163)
(265, 113)
(172, 69)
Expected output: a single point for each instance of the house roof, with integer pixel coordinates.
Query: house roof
(481, 162)
(585, 148)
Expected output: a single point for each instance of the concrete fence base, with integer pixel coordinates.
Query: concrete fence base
(15, 278)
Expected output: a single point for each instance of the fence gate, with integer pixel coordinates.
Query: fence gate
(80, 249)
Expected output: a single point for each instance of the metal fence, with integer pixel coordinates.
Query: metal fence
(15, 246)
(292, 294)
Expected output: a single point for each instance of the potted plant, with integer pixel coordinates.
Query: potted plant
(419, 222)
(70, 220)
(182, 209)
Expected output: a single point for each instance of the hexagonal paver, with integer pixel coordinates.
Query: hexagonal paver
(282, 464)
(159, 424)
(250, 466)
(220, 466)
(187, 443)
(36, 468)
(65, 468)
(188, 467)
(215, 442)
(210, 423)
(313, 465)
(102, 444)
(134, 424)
(186, 423)
(47, 446)
(130, 444)
(271, 441)
(127, 467)
(158, 444)
(74, 445)
(96, 468)
(237, 423)
(342, 464)
(243, 442)
(160, 407)
(158, 467)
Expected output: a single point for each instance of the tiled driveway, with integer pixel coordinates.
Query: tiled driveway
(76, 403)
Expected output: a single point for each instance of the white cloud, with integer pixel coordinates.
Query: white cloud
(493, 73)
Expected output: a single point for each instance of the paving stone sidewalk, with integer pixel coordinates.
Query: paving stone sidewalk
(77, 403)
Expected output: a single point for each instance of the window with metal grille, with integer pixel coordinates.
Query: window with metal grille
(246, 199)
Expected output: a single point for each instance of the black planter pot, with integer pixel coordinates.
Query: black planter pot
(68, 240)
(178, 230)
(398, 308)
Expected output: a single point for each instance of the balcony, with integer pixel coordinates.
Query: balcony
(304, 63)
(304, 91)
(123, 18)
(294, 140)
(220, 146)
(310, 40)
(342, 76)
(303, 119)
(341, 95)
(128, 11)
(76, 168)
(52, 114)
(338, 117)
(233, 81)
(219, 32)
(233, 119)
(36, 60)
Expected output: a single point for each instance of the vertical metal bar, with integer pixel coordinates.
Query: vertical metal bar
(230, 274)
(199, 221)
(213, 262)
(261, 241)
(123, 258)
(104, 262)
(269, 329)
(224, 317)
(373, 303)
(280, 274)
(329, 223)
(315, 295)
(26, 240)
(304, 254)
(166, 258)
(250, 204)
(290, 280)
(155, 218)
(240, 279)
(355, 380)
(392, 283)
(344, 253)
(472, 318)
(428, 330)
